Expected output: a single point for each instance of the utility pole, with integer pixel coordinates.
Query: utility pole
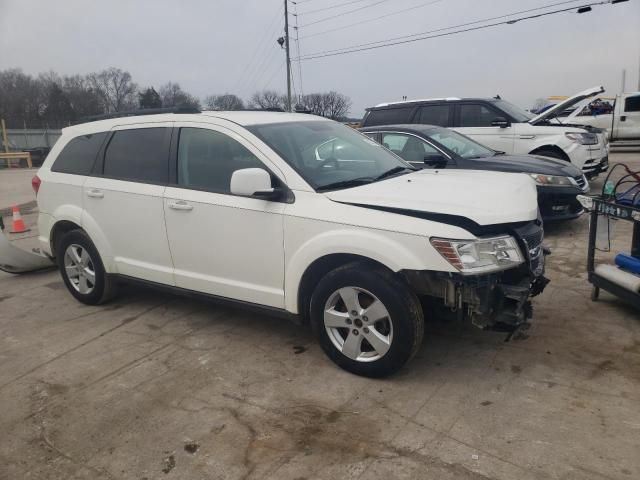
(623, 83)
(286, 46)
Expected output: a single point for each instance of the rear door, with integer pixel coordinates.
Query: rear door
(124, 200)
(474, 120)
(628, 123)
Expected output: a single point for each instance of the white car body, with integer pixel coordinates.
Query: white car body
(538, 134)
(621, 125)
(257, 251)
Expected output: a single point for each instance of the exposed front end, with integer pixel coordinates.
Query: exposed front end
(495, 299)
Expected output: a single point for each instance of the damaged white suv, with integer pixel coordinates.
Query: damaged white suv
(297, 215)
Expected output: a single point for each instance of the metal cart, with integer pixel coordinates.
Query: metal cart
(601, 207)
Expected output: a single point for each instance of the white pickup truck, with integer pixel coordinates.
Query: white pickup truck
(621, 120)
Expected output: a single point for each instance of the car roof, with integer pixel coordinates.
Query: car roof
(243, 118)
(418, 128)
(429, 100)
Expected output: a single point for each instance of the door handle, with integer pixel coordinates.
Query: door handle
(180, 205)
(527, 137)
(95, 193)
(623, 118)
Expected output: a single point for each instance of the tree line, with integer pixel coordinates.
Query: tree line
(54, 100)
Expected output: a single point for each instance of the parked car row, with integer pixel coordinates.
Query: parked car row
(502, 126)
(301, 217)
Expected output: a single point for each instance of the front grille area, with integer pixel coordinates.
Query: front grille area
(531, 237)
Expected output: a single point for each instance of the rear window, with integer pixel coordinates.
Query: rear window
(388, 116)
(139, 155)
(78, 156)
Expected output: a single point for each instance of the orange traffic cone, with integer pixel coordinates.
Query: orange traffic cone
(18, 222)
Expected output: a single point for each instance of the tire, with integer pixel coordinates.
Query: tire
(90, 289)
(547, 152)
(348, 336)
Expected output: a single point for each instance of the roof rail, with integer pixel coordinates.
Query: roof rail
(144, 111)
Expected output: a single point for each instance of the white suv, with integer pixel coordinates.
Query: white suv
(295, 214)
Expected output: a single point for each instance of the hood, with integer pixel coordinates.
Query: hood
(486, 198)
(569, 102)
(526, 164)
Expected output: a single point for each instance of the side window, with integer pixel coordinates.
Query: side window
(388, 116)
(435, 115)
(476, 115)
(207, 159)
(632, 104)
(79, 154)
(138, 155)
(410, 148)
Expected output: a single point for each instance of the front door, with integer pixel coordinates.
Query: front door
(222, 244)
(628, 123)
(475, 121)
(124, 200)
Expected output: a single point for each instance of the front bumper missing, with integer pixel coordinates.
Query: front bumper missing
(498, 301)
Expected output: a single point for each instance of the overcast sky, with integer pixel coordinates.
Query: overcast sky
(218, 46)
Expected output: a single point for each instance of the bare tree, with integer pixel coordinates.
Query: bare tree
(116, 89)
(226, 102)
(85, 100)
(21, 98)
(332, 105)
(268, 99)
(172, 95)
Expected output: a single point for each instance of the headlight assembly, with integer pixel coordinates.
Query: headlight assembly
(483, 255)
(553, 180)
(583, 138)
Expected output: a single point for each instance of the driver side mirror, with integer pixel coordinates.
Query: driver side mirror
(500, 122)
(435, 160)
(254, 182)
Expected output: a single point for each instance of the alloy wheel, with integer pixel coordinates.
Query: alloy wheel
(80, 269)
(358, 324)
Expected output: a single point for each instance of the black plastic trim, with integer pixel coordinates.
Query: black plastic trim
(255, 307)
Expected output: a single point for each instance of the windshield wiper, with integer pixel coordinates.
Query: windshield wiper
(355, 182)
(393, 171)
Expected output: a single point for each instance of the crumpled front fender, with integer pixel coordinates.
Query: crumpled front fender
(16, 260)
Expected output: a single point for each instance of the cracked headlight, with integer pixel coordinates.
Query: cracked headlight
(583, 138)
(480, 256)
(553, 180)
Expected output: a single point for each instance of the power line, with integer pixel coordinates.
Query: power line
(343, 4)
(426, 35)
(343, 13)
(415, 7)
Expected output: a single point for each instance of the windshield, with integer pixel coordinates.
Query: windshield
(328, 154)
(519, 115)
(459, 144)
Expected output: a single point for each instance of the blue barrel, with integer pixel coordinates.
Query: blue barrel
(628, 263)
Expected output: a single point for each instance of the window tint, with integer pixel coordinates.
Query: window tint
(410, 148)
(79, 154)
(138, 155)
(632, 104)
(388, 116)
(476, 115)
(434, 115)
(207, 159)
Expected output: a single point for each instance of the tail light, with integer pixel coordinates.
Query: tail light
(35, 183)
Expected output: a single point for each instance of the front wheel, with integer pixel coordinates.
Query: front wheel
(366, 320)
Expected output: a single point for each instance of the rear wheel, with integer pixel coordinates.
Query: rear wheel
(82, 270)
(366, 320)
